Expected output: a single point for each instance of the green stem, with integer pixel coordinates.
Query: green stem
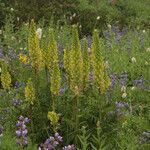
(53, 103)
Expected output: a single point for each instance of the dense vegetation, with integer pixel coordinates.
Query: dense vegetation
(74, 75)
(134, 13)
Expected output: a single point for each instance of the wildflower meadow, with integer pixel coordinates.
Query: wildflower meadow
(67, 85)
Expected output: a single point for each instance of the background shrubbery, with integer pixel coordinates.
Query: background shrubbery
(84, 12)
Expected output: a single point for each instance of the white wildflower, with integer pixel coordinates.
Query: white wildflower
(13, 38)
(109, 26)
(18, 18)
(133, 88)
(148, 49)
(106, 64)
(98, 18)
(26, 24)
(146, 63)
(0, 32)
(144, 31)
(124, 95)
(71, 18)
(74, 15)
(133, 59)
(39, 33)
(123, 89)
(0, 70)
(89, 50)
(11, 9)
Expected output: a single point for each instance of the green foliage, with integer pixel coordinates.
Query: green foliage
(89, 14)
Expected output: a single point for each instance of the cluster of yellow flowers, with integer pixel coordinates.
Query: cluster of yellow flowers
(35, 52)
(23, 58)
(73, 62)
(78, 64)
(30, 92)
(5, 78)
(101, 78)
(52, 62)
(54, 118)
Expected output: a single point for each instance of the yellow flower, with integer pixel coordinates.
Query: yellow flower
(23, 58)
(35, 52)
(54, 118)
(5, 79)
(30, 92)
(101, 79)
(74, 64)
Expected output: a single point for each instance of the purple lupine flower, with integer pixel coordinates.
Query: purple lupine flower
(62, 91)
(139, 83)
(118, 113)
(69, 147)
(120, 105)
(16, 102)
(58, 137)
(114, 79)
(52, 142)
(12, 54)
(17, 84)
(123, 79)
(22, 131)
(145, 137)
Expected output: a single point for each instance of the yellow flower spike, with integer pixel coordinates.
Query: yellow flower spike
(76, 64)
(35, 52)
(30, 92)
(101, 78)
(52, 64)
(5, 78)
(54, 118)
(86, 64)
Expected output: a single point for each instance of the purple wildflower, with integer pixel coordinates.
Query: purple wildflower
(16, 102)
(69, 147)
(120, 105)
(114, 79)
(22, 131)
(17, 84)
(52, 142)
(145, 137)
(139, 83)
(62, 91)
(123, 79)
(12, 54)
